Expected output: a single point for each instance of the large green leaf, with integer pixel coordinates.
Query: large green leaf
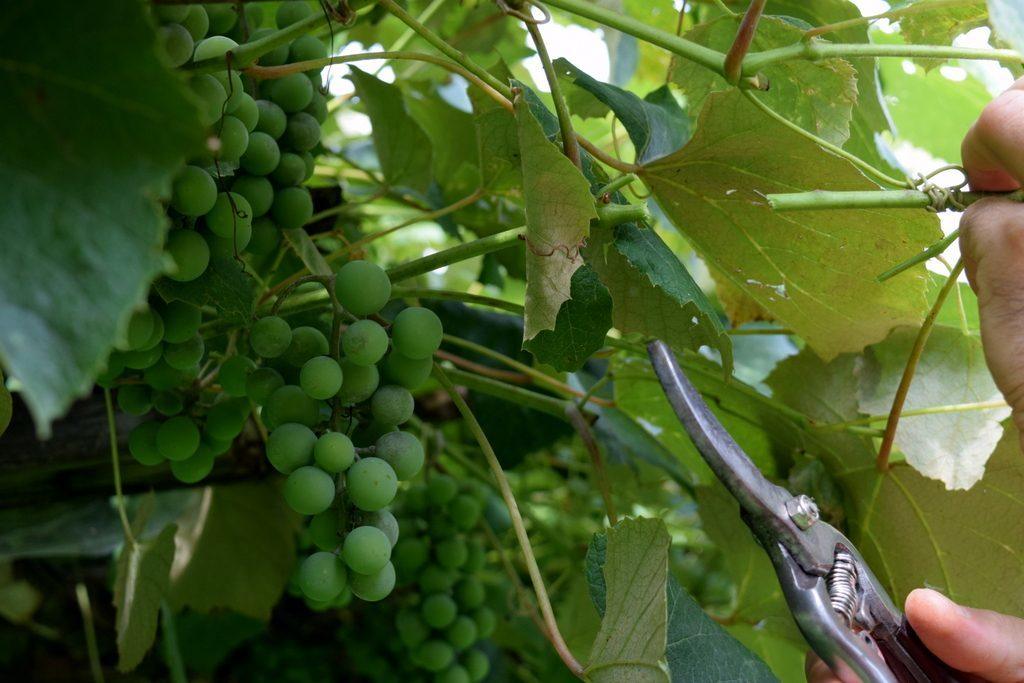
(818, 96)
(1007, 17)
(236, 550)
(93, 126)
(580, 326)
(456, 164)
(952, 447)
(941, 24)
(224, 285)
(559, 208)
(139, 588)
(813, 271)
(403, 149)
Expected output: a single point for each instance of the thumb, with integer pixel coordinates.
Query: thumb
(975, 641)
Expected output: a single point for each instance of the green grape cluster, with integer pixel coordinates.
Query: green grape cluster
(239, 194)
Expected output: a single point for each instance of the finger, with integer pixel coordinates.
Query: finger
(993, 149)
(817, 671)
(975, 641)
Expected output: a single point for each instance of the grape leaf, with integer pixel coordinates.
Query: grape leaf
(961, 306)
(456, 164)
(798, 87)
(559, 208)
(236, 550)
(206, 640)
(813, 271)
(580, 326)
(627, 442)
(93, 127)
(139, 587)
(940, 25)
(497, 143)
(403, 149)
(224, 285)
(953, 447)
(1007, 18)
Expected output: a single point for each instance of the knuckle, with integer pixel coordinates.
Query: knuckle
(1000, 119)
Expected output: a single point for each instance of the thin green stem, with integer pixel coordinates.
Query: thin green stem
(817, 200)
(452, 295)
(934, 251)
(569, 145)
(91, 648)
(755, 331)
(551, 625)
(586, 434)
(891, 14)
(172, 652)
(932, 410)
(467, 250)
(426, 15)
(610, 215)
(816, 50)
(722, 6)
(617, 184)
(115, 462)
(884, 450)
(511, 393)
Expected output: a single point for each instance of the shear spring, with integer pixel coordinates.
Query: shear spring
(842, 585)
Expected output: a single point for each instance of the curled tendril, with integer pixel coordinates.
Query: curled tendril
(521, 11)
(943, 198)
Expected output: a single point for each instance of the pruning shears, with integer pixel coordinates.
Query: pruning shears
(843, 611)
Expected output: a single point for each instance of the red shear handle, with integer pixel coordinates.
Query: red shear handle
(911, 661)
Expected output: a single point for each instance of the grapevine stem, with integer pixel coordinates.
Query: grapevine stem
(172, 653)
(508, 392)
(521, 592)
(605, 158)
(452, 295)
(582, 427)
(753, 331)
(934, 251)
(115, 461)
(426, 15)
(741, 44)
(467, 250)
(933, 410)
(85, 607)
(882, 460)
(569, 145)
(891, 14)
(480, 369)
(553, 634)
(880, 199)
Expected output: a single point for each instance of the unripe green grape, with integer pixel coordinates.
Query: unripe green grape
(362, 288)
(256, 190)
(247, 113)
(416, 499)
(262, 155)
(411, 629)
(320, 377)
(211, 96)
(169, 13)
(226, 419)
(291, 170)
(142, 443)
(134, 399)
(371, 484)
(290, 12)
(306, 343)
(410, 554)
(230, 212)
(402, 451)
(197, 22)
(317, 108)
(290, 404)
(176, 44)
(477, 665)
(265, 236)
(156, 334)
(358, 382)
(190, 254)
(322, 576)
(261, 383)
(270, 336)
(216, 446)
(364, 342)
(470, 593)
(309, 490)
(306, 48)
(222, 18)
(451, 552)
(416, 332)
(334, 452)
(140, 328)
(485, 621)
(477, 556)
(226, 248)
(441, 489)
(233, 374)
(292, 207)
(461, 633)
(277, 56)
(214, 46)
(442, 528)
(323, 530)
(272, 119)
(290, 446)
(376, 586)
(143, 358)
(437, 579)
(186, 354)
(392, 405)
(366, 550)
(303, 132)
(181, 321)
(167, 403)
(233, 137)
(410, 373)
(438, 610)
(453, 674)
(193, 191)
(195, 468)
(177, 438)
(163, 377)
(465, 511)
(435, 655)
(386, 522)
(292, 93)
(113, 369)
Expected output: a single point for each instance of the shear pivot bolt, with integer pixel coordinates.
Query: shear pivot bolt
(803, 511)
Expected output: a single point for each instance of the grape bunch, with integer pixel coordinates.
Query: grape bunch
(248, 185)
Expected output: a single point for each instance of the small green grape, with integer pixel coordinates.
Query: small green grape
(371, 484)
(322, 576)
(292, 93)
(197, 21)
(261, 383)
(181, 321)
(275, 57)
(403, 451)
(366, 550)
(193, 191)
(477, 556)
(140, 329)
(306, 48)
(323, 530)
(465, 510)
(233, 374)
(292, 207)
(485, 621)
(214, 46)
(113, 369)
(156, 334)
(163, 377)
(143, 358)
(309, 490)
(186, 354)
(461, 633)
(392, 405)
(451, 552)
(248, 113)
(318, 108)
(262, 155)
(364, 342)
(177, 438)
(270, 336)
(226, 419)
(410, 373)
(435, 655)
(320, 377)
(334, 452)
(302, 132)
(386, 522)
(176, 44)
(453, 674)
(410, 554)
(441, 489)
(411, 629)
(358, 382)
(171, 13)
(265, 236)
(226, 248)
(310, 164)
(290, 446)
(134, 399)
(290, 404)
(291, 170)
(216, 446)
(362, 288)
(230, 212)
(195, 468)
(442, 528)
(256, 190)
(477, 665)
(306, 343)
(142, 443)
(190, 254)
(438, 610)
(211, 95)
(290, 12)
(233, 137)
(167, 403)
(437, 579)
(272, 119)
(376, 586)
(416, 498)
(470, 593)
(416, 332)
